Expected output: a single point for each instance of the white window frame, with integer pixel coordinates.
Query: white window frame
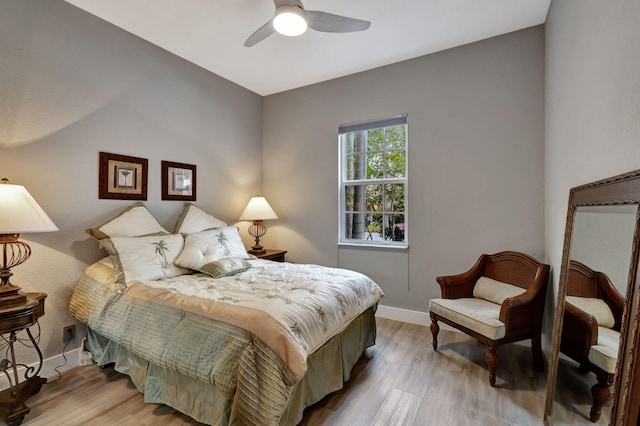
(343, 183)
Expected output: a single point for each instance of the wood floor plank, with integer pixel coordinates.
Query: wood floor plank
(399, 381)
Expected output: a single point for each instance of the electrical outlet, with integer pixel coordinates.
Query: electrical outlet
(68, 333)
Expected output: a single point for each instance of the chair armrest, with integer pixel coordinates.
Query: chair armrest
(461, 285)
(612, 298)
(518, 312)
(579, 332)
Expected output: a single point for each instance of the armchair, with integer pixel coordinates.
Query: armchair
(591, 328)
(499, 300)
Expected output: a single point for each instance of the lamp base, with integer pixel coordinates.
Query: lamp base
(257, 230)
(14, 253)
(10, 296)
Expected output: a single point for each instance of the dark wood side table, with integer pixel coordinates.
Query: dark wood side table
(275, 255)
(13, 320)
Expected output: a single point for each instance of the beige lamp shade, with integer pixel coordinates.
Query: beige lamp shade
(20, 213)
(258, 209)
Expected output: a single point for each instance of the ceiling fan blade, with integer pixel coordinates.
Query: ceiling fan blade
(330, 23)
(260, 34)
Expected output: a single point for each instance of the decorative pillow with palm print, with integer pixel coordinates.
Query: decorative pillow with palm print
(208, 246)
(144, 258)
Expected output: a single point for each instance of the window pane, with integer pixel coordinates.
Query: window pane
(354, 198)
(357, 226)
(360, 141)
(375, 140)
(394, 198)
(348, 142)
(374, 198)
(349, 199)
(396, 164)
(395, 137)
(350, 225)
(375, 165)
(394, 230)
(355, 167)
(374, 227)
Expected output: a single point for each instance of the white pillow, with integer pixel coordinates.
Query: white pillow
(144, 258)
(495, 291)
(192, 219)
(596, 307)
(133, 221)
(205, 247)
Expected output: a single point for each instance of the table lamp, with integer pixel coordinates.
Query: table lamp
(19, 213)
(258, 210)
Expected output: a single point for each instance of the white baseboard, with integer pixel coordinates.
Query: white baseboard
(404, 315)
(411, 317)
(49, 366)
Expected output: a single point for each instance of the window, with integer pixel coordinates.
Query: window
(373, 183)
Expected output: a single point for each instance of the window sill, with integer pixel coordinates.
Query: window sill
(374, 246)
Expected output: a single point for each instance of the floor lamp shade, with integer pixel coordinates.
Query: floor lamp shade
(258, 210)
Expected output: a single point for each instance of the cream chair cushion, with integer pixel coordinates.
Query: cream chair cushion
(495, 291)
(596, 307)
(475, 314)
(605, 353)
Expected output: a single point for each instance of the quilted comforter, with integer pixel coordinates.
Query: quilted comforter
(248, 335)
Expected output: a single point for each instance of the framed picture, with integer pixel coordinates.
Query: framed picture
(178, 181)
(122, 177)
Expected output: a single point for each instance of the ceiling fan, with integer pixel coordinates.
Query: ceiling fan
(291, 19)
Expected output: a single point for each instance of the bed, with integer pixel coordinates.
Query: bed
(236, 340)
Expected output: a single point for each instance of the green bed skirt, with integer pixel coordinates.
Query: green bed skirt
(328, 368)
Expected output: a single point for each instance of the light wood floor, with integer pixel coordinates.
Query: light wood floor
(399, 381)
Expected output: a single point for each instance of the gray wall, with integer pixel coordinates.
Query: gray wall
(72, 85)
(592, 103)
(476, 167)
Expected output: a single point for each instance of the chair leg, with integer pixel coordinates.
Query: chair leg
(492, 361)
(435, 329)
(601, 394)
(536, 351)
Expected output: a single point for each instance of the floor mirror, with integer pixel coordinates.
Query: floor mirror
(599, 276)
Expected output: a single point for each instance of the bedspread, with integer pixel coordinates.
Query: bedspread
(249, 335)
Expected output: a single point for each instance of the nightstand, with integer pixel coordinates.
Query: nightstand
(275, 255)
(13, 320)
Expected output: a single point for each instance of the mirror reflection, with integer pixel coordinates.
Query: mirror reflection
(602, 239)
(600, 255)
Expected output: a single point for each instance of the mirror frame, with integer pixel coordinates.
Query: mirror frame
(618, 190)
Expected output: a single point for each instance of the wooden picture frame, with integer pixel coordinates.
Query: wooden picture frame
(122, 177)
(178, 181)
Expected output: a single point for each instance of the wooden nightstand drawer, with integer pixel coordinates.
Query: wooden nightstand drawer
(275, 255)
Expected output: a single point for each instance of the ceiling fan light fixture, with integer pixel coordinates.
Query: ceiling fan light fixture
(290, 21)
